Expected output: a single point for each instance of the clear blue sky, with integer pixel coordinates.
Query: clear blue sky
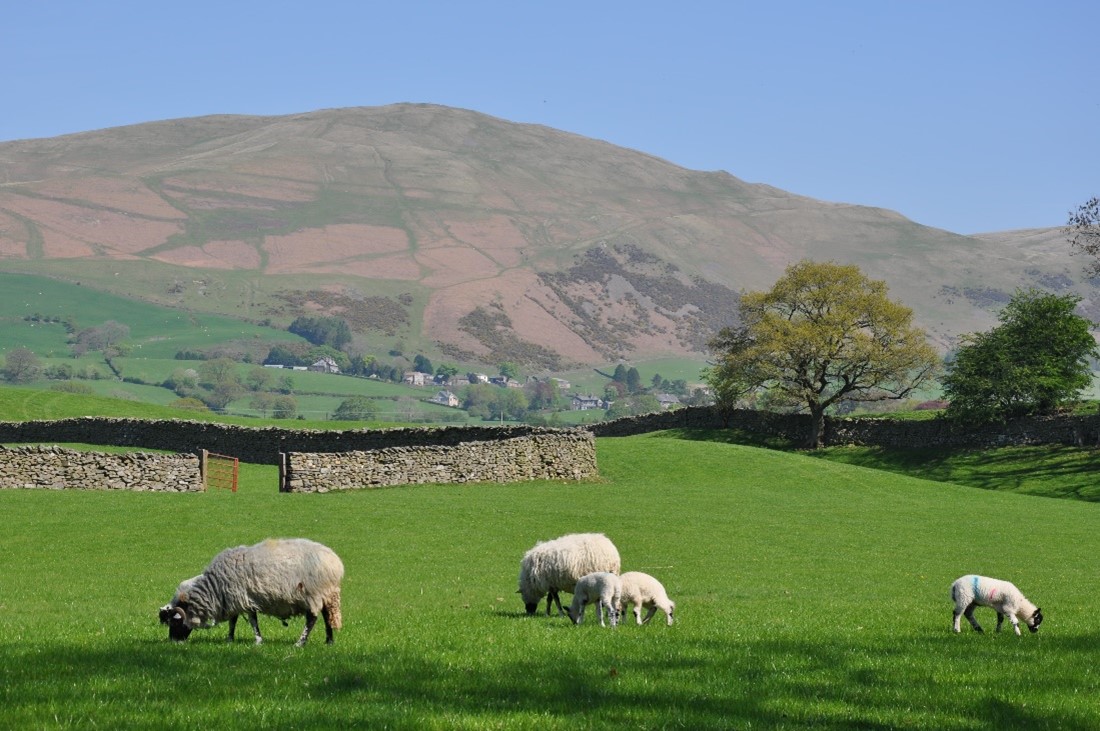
(969, 116)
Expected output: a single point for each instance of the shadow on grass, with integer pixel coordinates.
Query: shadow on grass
(714, 683)
(1051, 471)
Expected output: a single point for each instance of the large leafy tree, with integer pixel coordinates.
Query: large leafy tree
(824, 333)
(1035, 361)
(1083, 231)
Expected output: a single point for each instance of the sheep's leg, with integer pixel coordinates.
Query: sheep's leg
(556, 598)
(599, 611)
(969, 612)
(1015, 624)
(1000, 621)
(232, 627)
(328, 625)
(649, 614)
(252, 620)
(552, 598)
(311, 619)
(638, 613)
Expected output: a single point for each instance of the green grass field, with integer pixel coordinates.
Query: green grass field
(809, 594)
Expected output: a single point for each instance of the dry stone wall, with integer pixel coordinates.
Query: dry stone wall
(55, 468)
(1061, 429)
(248, 444)
(557, 455)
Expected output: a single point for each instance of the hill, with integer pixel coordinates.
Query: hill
(465, 235)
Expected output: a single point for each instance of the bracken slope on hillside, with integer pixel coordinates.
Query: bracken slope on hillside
(489, 239)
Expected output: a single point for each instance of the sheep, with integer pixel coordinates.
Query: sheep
(278, 577)
(643, 590)
(971, 591)
(602, 587)
(554, 566)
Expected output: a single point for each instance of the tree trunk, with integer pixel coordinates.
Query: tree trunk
(817, 428)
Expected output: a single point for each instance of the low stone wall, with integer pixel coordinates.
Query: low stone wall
(54, 468)
(249, 444)
(551, 455)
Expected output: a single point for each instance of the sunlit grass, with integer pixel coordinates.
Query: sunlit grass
(808, 594)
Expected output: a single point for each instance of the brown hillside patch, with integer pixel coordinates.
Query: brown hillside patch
(454, 265)
(214, 255)
(386, 267)
(522, 298)
(313, 247)
(13, 237)
(99, 230)
(121, 194)
(496, 236)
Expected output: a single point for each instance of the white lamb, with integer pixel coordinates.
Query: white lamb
(971, 591)
(602, 587)
(553, 566)
(642, 590)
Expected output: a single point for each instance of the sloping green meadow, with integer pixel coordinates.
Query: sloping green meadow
(808, 594)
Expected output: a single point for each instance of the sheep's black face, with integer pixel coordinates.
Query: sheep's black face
(531, 607)
(176, 619)
(1036, 620)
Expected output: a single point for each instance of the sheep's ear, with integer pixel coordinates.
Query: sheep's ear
(182, 598)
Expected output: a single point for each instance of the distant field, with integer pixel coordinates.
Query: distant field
(155, 332)
(808, 594)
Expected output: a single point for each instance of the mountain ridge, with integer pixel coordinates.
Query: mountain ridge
(499, 240)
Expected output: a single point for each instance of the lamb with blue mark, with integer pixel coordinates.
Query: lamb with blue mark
(972, 591)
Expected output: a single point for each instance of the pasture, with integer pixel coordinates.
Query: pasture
(808, 593)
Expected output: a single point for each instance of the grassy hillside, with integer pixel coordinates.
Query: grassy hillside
(808, 594)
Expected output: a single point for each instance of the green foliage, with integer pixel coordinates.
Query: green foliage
(808, 594)
(1035, 361)
(21, 365)
(356, 408)
(190, 404)
(633, 405)
(331, 331)
(284, 407)
(822, 334)
(422, 364)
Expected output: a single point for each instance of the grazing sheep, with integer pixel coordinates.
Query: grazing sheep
(643, 590)
(279, 577)
(554, 566)
(970, 591)
(602, 587)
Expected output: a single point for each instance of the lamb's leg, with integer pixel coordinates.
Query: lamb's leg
(311, 619)
(1015, 624)
(649, 614)
(638, 613)
(1000, 621)
(969, 612)
(599, 611)
(252, 620)
(232, 627)
(328, 625)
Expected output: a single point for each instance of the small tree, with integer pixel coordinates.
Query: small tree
(356, 408)
(21, 365)
(1035, 361)
(822, 334)
(284, 407)
(1083, 231)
